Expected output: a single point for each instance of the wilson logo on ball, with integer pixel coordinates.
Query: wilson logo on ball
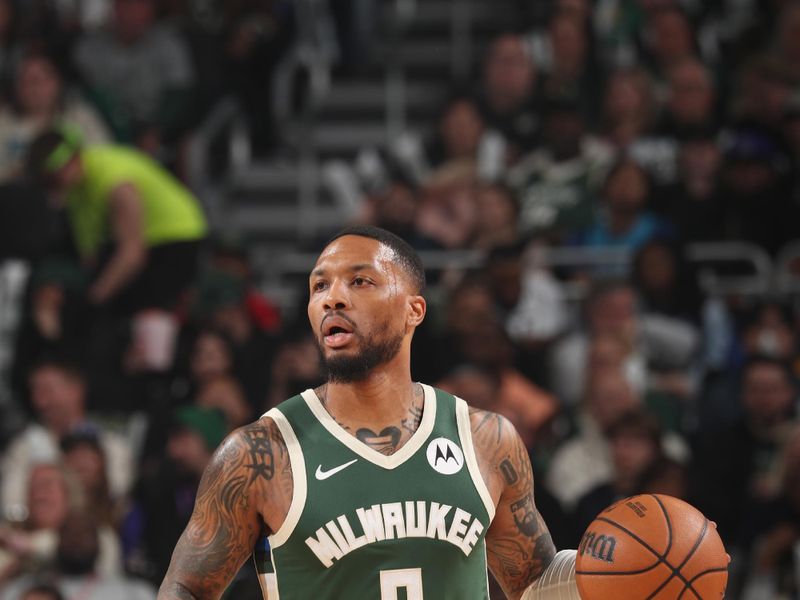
(637, 507)
(600, 547)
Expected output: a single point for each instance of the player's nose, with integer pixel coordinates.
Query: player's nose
(336, 297)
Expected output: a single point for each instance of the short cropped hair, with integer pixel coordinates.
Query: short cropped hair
(407, 257)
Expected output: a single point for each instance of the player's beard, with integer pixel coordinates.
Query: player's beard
(373, 352)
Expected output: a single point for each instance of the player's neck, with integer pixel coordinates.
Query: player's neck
(382, 396)
(382, 412)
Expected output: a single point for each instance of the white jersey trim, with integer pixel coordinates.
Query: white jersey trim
(299, 485)
(465, 433)
(393, 461)
(269, 586)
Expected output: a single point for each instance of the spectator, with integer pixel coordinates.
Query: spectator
(668, 38)
(83, 455)
(470, 301)
(116, 195)
(231, 256)
(463, 150)
(635, 443)
(477, 386)
(166, 493)
(498, 216)
(211, 357)
(757, 181)
(55, 319)
(297, 367)
(447, 216)
(572, 70)
(768, 332)
(256, 37)
(666, 476)
(668, 285)
(58, 397)
(79, 547)
(738, 464)
(41, 100)
(556, 183)
(51, 493)
(584, 461)
(140, 73)
(508, 96)
(691, 102)
(528, 298)
(243, 321)
(649, 342)
(666, 282)
(624, 220)
(224, 393)
(772, 533)
(629, 109)
(694, 203)
(394, 206)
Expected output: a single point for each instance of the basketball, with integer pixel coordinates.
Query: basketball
(651, 547)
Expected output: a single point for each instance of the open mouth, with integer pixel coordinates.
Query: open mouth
(336, 332)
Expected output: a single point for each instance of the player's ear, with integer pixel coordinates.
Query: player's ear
(417, 307)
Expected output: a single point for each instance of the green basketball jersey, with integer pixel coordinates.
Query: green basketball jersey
(363, 525)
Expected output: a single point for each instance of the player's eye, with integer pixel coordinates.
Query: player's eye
(359, 281)
(318, 286)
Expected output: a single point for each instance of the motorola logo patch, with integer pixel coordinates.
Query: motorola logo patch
(445, 456)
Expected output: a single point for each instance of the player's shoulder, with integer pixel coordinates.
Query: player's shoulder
(257, 434)
(490, 430)
(254, 451)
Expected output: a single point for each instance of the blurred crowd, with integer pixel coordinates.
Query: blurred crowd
(637, 125)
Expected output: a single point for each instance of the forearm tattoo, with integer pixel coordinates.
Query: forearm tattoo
(519, 546)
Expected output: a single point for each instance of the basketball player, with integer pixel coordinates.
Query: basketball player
(371, 483)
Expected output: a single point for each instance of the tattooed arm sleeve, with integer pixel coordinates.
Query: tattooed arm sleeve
(226, 521)
(519, 546)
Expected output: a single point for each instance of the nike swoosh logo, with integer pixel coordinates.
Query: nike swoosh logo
(320, 474)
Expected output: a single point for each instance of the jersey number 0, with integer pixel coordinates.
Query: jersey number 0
(394, 579)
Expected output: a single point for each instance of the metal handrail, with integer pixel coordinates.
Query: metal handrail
(226, 114)
(785, 281)
(760, 282)
(221, 116)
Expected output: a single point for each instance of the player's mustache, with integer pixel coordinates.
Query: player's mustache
(339, 314)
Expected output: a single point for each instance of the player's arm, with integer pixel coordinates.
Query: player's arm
(519, 548)
(226, 521)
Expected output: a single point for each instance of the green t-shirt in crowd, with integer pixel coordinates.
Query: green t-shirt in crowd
(170, 212)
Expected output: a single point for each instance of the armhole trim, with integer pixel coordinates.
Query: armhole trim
(299, 482)
(465, 433)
